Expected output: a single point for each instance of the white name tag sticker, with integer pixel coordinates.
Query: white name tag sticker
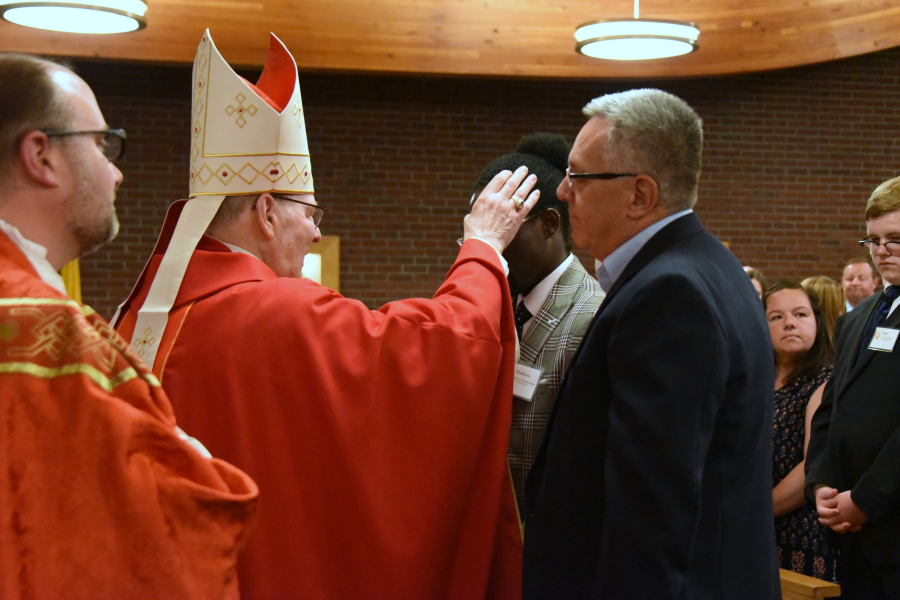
(884, 339)
(525, 381)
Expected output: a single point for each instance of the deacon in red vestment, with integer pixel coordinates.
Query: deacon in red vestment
(377, 438)
(101, 496)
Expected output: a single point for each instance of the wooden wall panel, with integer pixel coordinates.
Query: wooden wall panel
(520, 38)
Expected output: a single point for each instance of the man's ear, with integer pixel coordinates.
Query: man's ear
(267, 216)
(550, 222)
(645, 199)
(40, 160)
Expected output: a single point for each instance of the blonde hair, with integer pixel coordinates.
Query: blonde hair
(831, 296)
(885, 199)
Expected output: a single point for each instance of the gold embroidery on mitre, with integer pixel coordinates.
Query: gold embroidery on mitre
(273, 171)
(240, 110)
(204, 174)
(225, 173)
(248, 171)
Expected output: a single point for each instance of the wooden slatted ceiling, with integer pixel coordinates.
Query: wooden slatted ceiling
(528, 38)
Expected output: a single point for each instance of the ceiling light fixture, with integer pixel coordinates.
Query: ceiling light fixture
(74, 16)
(637, 39)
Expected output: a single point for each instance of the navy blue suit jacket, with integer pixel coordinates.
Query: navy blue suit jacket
(655, 476)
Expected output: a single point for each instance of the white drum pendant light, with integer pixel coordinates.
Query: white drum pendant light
(73, 16)
(635, 39)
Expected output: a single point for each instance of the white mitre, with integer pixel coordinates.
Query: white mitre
(245, 139)
(240, 143)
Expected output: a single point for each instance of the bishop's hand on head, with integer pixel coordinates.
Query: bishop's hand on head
(500, 209)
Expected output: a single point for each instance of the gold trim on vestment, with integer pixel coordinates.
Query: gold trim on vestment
(91, 372)
(82, 308)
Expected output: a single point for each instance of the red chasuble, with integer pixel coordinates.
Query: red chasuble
(99, 497)
(377, 438)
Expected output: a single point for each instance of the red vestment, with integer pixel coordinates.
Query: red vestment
(377, 438)
(99, 497)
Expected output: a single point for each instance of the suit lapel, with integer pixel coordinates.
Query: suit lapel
(557, 304)
(679, 228)
(854, 366)
(656, 245)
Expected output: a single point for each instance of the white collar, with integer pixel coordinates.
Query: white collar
(234, 248)
(536, 297)
(36, 255)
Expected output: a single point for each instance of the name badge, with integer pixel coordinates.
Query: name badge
(525, 381)
(884, 339)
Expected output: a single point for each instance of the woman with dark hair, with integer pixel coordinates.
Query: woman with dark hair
(804, 357)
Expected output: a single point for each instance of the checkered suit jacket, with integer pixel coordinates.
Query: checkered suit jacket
(549, 344)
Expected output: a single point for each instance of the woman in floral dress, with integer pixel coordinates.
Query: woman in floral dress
(803, 361)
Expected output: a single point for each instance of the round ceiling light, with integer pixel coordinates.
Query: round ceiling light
(636, 39)
(72, 16)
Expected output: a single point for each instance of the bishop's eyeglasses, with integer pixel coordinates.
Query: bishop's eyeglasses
(112, 145)
(318, 211)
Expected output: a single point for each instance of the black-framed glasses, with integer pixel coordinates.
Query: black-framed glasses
(570, 175)
(318, 211)
(113, 145)
(892, 247)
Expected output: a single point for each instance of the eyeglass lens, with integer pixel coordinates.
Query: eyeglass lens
(892, 247)
(113, 146)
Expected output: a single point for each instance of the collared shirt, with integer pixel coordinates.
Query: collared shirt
(234, 248)
(36, 255)
(537, 296)
(610, 269)
(896, 302)
(847, 307)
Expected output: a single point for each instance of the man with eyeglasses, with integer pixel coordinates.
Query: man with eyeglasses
(101, 495)
(654, 477)
(853, 460)
(377, 437)
(554, 297)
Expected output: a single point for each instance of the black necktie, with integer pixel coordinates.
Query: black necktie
(878, 316)
(522, 315)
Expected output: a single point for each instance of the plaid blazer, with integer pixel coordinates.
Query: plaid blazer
(549, 345)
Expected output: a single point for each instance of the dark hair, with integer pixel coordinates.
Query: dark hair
(546, 155)
(821, 354)
(30, 101)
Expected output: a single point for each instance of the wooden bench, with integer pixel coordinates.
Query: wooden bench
(795, 586)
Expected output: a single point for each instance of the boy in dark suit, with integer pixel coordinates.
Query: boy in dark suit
(853, 460)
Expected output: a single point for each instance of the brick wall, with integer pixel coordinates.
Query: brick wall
(790, 159)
